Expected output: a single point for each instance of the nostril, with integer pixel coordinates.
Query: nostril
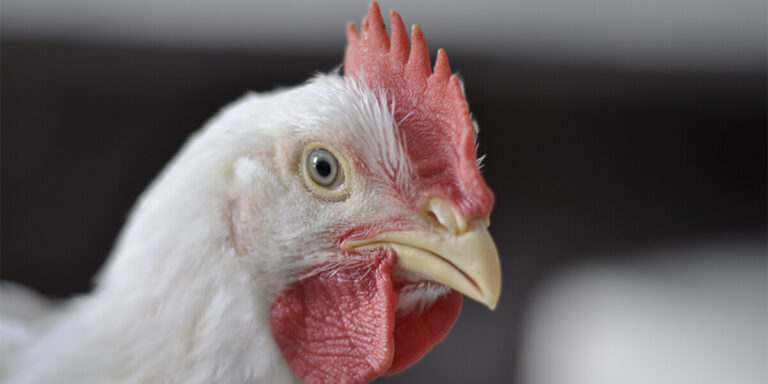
(440, 213)
(432, 218)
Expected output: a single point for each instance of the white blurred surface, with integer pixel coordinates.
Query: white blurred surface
(709, 34)
(676, 316)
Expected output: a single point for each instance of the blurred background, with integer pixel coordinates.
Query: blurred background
(625, 141)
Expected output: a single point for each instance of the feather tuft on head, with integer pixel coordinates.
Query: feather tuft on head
(429, 105)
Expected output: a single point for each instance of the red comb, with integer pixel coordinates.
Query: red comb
(430, 106)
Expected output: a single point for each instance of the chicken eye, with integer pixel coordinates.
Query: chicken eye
(323, 168)
(323, 171)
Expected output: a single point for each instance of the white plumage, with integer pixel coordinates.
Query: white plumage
(181, 300)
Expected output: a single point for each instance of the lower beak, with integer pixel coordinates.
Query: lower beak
(467, 262)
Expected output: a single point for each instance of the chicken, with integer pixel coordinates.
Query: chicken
(323, 233)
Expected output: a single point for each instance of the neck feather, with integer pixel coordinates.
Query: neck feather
(174, 303)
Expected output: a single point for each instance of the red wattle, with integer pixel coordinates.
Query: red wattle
(340, 326)
(417, 332)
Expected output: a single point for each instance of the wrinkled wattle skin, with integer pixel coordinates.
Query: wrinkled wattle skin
(340, 326)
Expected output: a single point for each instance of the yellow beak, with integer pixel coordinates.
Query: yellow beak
(465, 260)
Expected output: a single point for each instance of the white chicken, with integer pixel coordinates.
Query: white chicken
(323, 233)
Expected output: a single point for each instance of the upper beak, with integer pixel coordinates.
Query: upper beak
(464, 260)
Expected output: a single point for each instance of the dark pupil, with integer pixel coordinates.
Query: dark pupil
(323, 168)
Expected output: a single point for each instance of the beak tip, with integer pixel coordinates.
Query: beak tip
(492, 304)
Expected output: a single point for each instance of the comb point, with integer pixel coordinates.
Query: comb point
(418, 66)
(442, 69)
(351, 32)
(373, 7)
(399, 47)
(456, 88)
(374, 29)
